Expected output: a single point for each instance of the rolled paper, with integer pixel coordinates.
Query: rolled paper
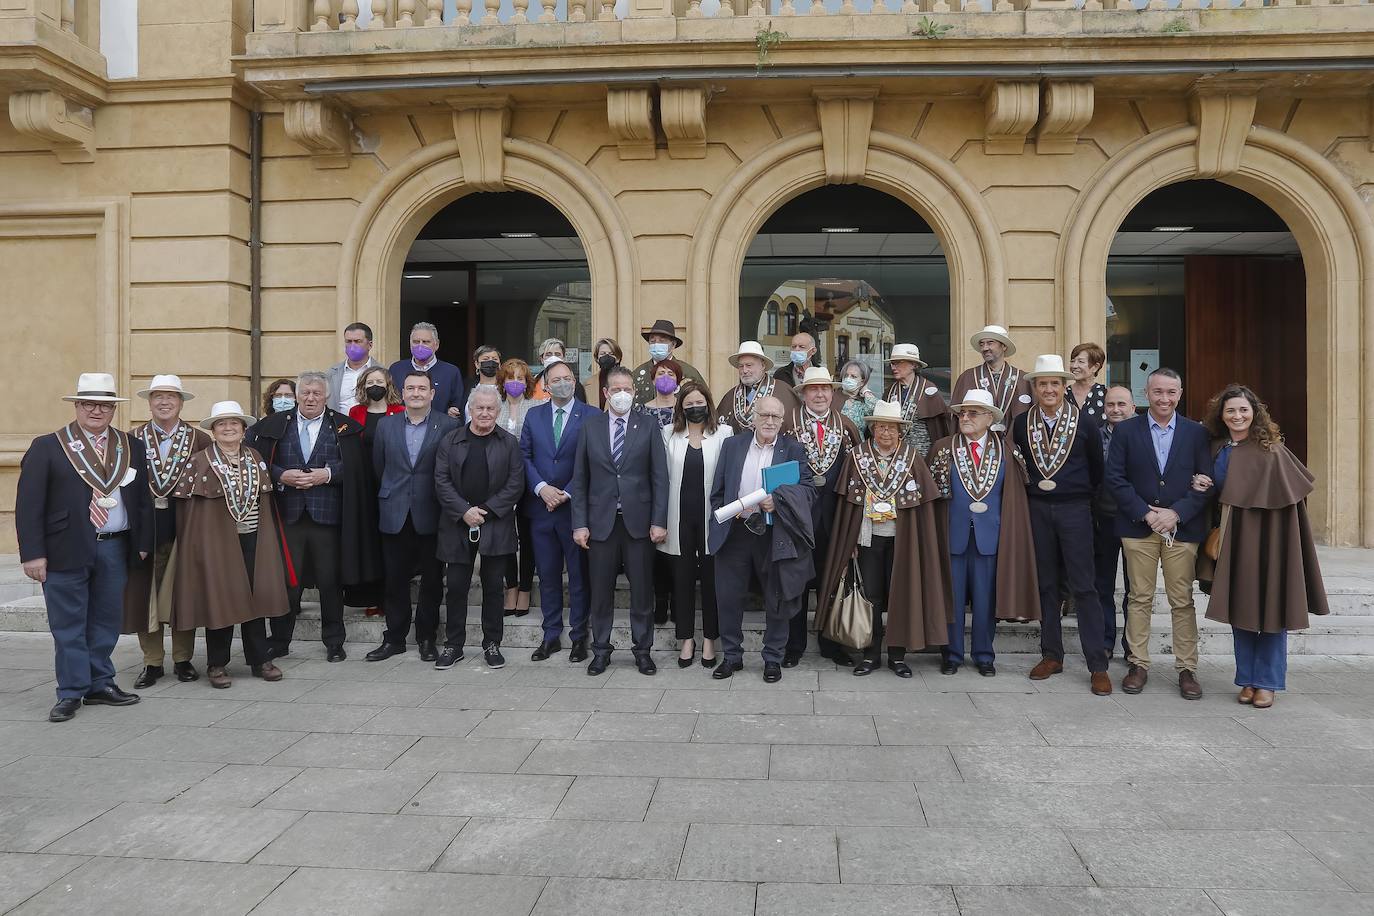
(729, 511)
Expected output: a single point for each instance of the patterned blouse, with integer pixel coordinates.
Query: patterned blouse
(857, 409)
(1096, 406)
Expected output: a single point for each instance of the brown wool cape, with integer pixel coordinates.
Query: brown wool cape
(1018, 588)
(968, 380)
(212, 588)
(918, 601)
(1267, 577)
(725, 409)
(929, 407)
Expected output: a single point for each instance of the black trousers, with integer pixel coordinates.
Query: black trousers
(492, 572)
(665, 593)
(604, 560)
(692, 562)
(875, 566)
(744, 554)
(1061, 528)
(254, 632)
(315, 554)
(406, 553)
(520, 566)
(1106, 561)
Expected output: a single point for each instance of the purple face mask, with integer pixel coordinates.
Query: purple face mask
(355, 351)
(514, 389)
(666, 384)
(421, 352)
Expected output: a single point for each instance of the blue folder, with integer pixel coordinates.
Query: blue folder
(777, 475)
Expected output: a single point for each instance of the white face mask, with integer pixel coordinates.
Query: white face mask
(621, 401)
(850, 384)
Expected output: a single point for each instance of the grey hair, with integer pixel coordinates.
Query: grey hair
(864, 370)
(1166, 372)
(425, 326)
(483, 391)
(551, 342)
(311, 377)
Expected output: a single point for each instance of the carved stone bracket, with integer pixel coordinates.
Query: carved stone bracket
(481, 125)
(1066, 108)
(1011, 108)
(322, 128)
(683, 113)
(68, 128)
(1223, 113)
(846, 119)
(631, 116)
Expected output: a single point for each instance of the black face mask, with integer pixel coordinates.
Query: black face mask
(606, 360)
(695, 414)
(376, 392)
(488, 366)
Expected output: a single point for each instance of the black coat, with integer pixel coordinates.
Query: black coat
(505, 471)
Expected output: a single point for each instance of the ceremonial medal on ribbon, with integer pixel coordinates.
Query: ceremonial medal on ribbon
(744, 408)
(1001, 388)
(242, 483)
(102, 476)
(1050, 452)
(979, 479)
(882, 477)
(163, 474)
(821, 456)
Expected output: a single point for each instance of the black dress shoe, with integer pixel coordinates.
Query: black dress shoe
(578, 653)
(546, 648)
(949, 667)
(843, 659)
(64, 710)
(899, 667)
(790, 658)
(278, 652)
(336, 654)
(987, 669)
(710, 662)
(598, 665)
(726, 669)
(646, 665)
(110, 696)
(684, 662)
(772, 672)
(148, 678)
(383, 652)
(428, 650)
(865, 667)
(185, 672)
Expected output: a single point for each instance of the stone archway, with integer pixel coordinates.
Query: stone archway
(398, 207)
(898, 166)
(1336, 237)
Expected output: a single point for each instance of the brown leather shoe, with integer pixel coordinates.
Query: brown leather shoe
(1135, 679)
(1263, 698)
(1188, 687)
(1102, 684)
(1046, 667)
(268, 672)
(218, 678)
(1246, 695)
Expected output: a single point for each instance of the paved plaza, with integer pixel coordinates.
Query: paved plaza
(391, 788)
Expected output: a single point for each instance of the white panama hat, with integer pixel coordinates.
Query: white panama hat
(751, 348)
(909, 352)
(95, 386)
(167, 383)
(226, 410)
(1048, 365)
(887, 412)
(816, 375)
(996, 332)
(977, 397)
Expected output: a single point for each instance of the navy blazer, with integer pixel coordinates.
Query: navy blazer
(1137, 485)
(545, 463)
(446, 378)
(639, 483)
(729, 467)
(52, 507)
(986, 527)
(404, 489)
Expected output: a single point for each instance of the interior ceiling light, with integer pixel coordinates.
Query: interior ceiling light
(520, 235)
(1172, 229)
(839, 228)
(418, 276)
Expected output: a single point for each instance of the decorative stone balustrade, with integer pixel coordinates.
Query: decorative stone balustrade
(52, 71)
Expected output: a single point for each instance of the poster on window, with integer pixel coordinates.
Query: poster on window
(1142, 363)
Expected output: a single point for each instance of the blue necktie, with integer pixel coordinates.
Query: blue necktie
(304, 429)
(618, 441)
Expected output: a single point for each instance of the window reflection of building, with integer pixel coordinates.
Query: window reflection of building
(772, 319)
(792, 319)
(841, 349)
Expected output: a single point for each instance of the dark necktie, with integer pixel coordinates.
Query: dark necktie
(618, 441)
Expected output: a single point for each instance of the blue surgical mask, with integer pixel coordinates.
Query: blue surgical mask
(658, 352)
(282, 404)
(800, 357)
(850, 384)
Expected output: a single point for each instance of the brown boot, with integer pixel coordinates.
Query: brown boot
(1135, 679)
(1046, 667)
(218, 678)
(1102, 684)
(1188, 687)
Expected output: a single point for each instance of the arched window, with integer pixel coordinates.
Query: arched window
(772, 318)
(842, 349)
(793, 318)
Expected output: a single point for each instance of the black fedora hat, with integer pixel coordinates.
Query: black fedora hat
(663, 326)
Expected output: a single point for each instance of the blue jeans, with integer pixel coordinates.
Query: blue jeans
(1261, 659)
(85, 612)
(975, 582)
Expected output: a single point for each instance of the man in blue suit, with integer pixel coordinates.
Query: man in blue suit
(549, 443)
(449, 395)
(1151, 465)
(403, 451)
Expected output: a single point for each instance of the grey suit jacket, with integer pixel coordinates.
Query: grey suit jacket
(405, 489)
(335, 373)
(639, 484)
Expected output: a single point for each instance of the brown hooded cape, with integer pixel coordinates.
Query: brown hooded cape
(725, 409)
(1018, 589)
(918, 603)
(931, 408)
(1267, 578)
(212, 588)
(1020, 395)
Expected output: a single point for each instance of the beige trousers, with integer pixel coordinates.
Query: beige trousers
(151, 642)
(1144, 557)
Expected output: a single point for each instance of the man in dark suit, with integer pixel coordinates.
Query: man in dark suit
(83, 515)
(742, 545)
(1117, 407)
(619, 512)
(1151, 465)
(548, 442)
(449, 396)
(403, 451)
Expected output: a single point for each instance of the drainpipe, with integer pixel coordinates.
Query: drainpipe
(255, 255)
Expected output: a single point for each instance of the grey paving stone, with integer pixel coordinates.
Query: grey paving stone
(468, 673)
(238, 785)
(1346, 683)
(117, 885)
(1247, 859)
(79, 738)
(737, 702)
(317, 669)
(591, 699)
(1081, 901)
(607, 798)
(892, 703)
(645, 758)
(701, 898)
(1349, 855)
(796, 803)
(29, 706)
(457, 696)
(1218, 700)
(577, 849)
(465, 755)
(1034, 804)
(945, 855)
(245, 689)
(668, 678)
(491, 795)
(968, 680)
(155, 710)
(29, 824)
(370, 693)
(1251, 806)
(725, 729)
(362, 791)
(1082, 765)
(426, 721)
(730, 852)
(843, 680)
(364, 752)
(564, 675)
(832, 899)
(212, 745)
(1337, 766)
(1343, 706)
(1313, 732)
(374, 841)
(1143, 732)
(18, 680)
(530, 724)
(799, 678)
(847, 764)
(100, 779)
(984, 732)
(302, 717)
(638, 726)
(333, 892)
(206, 833)
(22, 876)
(1292, 903)
(1060, 705)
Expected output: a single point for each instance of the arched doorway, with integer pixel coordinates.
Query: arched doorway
(856, 268)
(1208, 279)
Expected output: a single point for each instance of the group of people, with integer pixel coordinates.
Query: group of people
(357, 480)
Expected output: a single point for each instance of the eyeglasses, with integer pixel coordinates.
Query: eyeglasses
(775, 417)
(95, 406)
(972, 414)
